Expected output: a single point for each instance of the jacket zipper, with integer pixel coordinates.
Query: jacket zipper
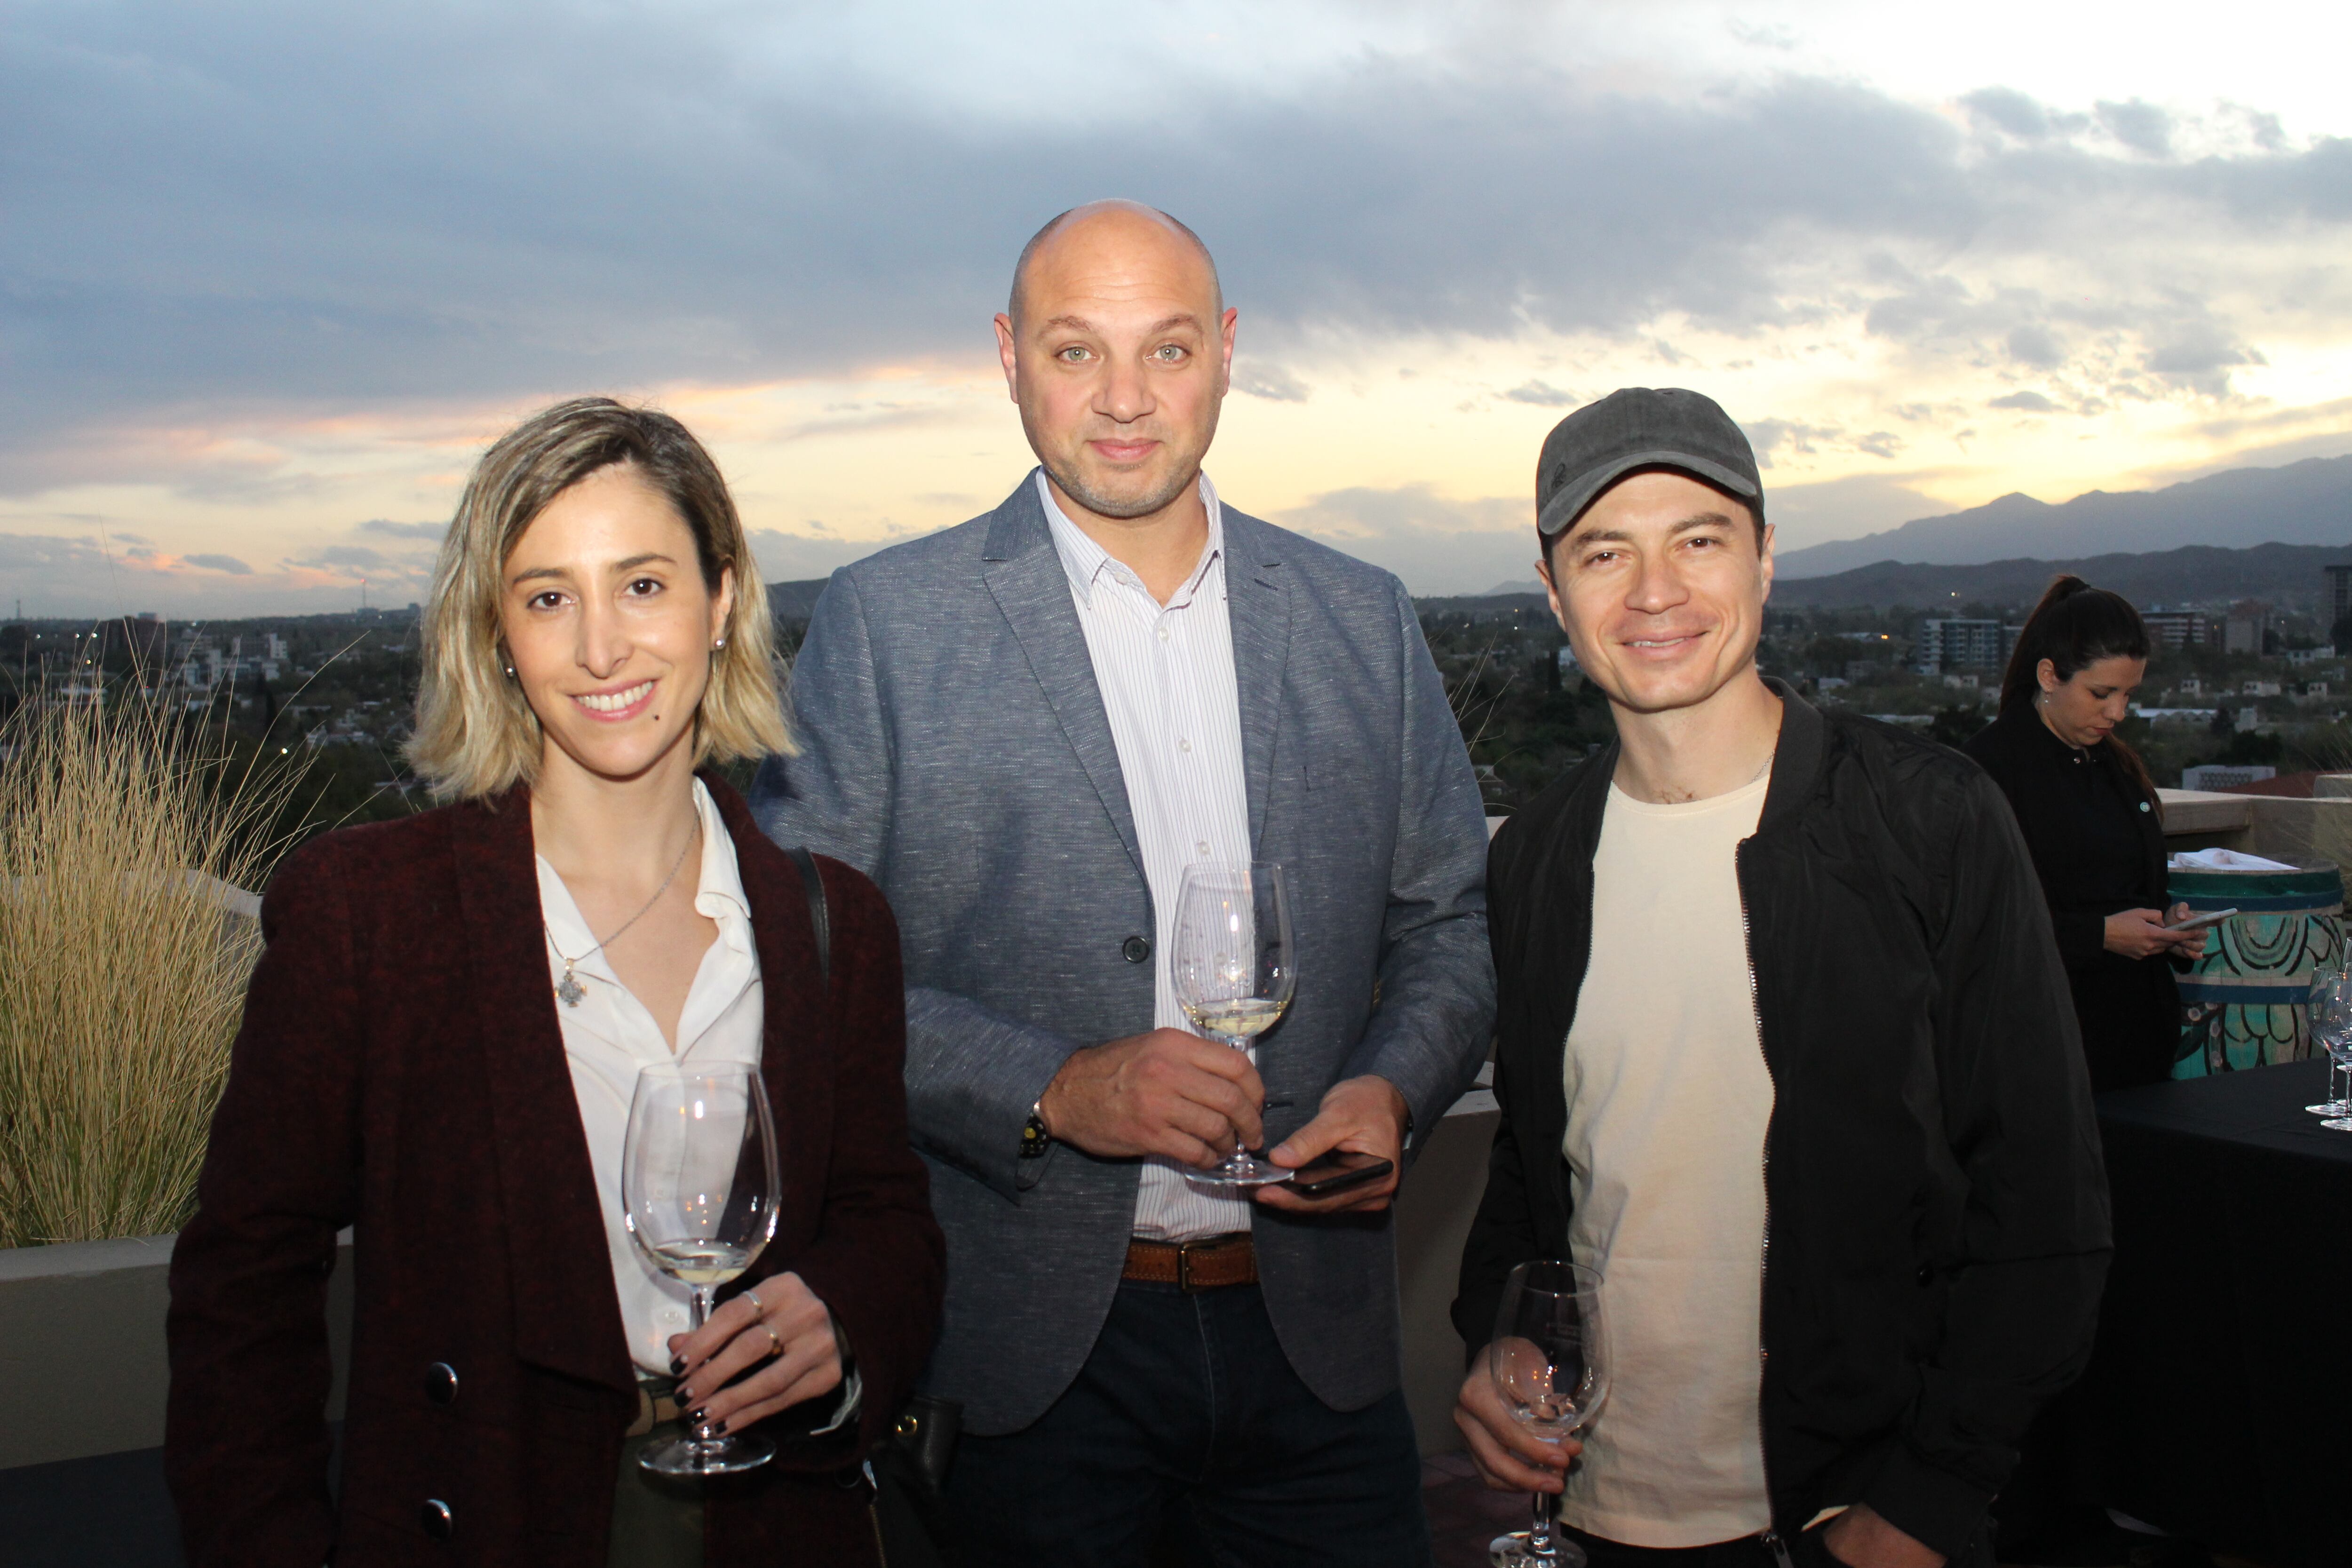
(1772, 1540)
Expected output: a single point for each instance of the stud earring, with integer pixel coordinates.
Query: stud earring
(719, 646)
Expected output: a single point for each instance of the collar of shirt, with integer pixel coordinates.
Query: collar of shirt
(719, 896)
(1085, 559)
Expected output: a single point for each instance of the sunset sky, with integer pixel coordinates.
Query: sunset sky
(271, 275)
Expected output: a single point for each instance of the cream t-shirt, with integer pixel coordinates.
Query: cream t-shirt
(1667, 1100)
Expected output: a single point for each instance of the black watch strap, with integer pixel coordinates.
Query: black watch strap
(1035, 1138)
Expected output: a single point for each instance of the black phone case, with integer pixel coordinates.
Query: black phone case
(1341, 1181)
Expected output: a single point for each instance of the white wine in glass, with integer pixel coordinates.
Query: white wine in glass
(1234, 970)
(699, 1187)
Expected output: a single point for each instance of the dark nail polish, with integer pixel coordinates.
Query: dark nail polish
(694, 1418)
(678, 1366)
(719, 1429)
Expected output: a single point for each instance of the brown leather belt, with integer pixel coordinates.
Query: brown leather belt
(1208, 1264)
(655, 1404)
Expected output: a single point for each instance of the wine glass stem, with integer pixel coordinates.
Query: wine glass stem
(698, 1314)
(1539, 1544)
(1239, 1158)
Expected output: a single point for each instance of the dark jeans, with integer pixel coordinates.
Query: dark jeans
(1188, 1411)
(1805, 1551)
(1747, 1551)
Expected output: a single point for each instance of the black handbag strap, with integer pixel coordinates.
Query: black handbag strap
(818, 919)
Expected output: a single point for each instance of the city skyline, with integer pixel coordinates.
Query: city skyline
(273, 277)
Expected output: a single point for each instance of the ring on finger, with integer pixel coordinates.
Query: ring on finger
(775, 1345)
(758, 1306)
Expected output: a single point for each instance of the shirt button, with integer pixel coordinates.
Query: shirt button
(1203, 847)
(1163, 634)
(1135, 950)
(1182, 745)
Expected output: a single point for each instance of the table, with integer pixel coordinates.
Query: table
(2220, 1380)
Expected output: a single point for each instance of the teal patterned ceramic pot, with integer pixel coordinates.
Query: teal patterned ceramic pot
(2242, 1005)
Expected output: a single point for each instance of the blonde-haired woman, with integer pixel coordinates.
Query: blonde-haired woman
(439, 1048)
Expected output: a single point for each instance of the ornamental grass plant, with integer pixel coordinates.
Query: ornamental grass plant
(125, 945)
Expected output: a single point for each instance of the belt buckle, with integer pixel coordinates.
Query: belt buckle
(1184, 1269)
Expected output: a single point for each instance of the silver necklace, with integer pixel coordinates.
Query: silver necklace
(569, 989)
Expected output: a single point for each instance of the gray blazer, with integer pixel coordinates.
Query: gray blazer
(954, 748)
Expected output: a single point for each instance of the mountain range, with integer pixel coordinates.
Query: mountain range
(2244, 533)
(2309, 502)
(2286, 575)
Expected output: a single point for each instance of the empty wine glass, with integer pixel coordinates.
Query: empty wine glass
(700, 1186)
(1234, 970)
(2328, 1015)
(1549, 1364)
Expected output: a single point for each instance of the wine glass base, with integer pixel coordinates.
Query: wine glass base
(2331, 1108)
(1240, 1171)
(707, 1457)
(1512, 1551)
(2338, 1124)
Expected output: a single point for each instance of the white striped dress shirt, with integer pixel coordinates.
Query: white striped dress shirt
(1165, 673)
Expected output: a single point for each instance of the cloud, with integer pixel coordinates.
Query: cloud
(2142, 127)
(430, 531)
(2006, 109)
(339, 209)
(789, 556)
(2198, 354)
(47, 554)
(1809, 514)
(352, 555)
(1543, 396)
(2034, 343)
(1269, 380)
(1435, 544)
(2024, 402)
(228, 564)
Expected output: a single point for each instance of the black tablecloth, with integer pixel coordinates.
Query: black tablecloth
(2223, 1377)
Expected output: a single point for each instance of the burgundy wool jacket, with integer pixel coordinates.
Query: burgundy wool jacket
(400, 1069)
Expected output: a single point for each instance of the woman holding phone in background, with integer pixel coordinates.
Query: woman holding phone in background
(439, 1048)
(2095, 830)
(2093, 825)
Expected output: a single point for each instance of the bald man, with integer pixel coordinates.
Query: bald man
(1026, 729)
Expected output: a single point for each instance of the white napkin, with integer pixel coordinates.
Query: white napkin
(2222, 860)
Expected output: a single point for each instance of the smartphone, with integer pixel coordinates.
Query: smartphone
(1336, 1173)
(2199, 922)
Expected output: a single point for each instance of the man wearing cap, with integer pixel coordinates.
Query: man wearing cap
(1785, 1052)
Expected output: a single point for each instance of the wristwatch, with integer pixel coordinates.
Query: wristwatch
(1035, 1138)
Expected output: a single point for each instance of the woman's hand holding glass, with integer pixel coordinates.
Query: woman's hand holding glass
(778, 1321)
(700, 1186)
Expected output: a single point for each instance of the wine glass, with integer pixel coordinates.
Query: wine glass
(699, 1188)
(1550, 1365)
(2329, 1018)
(1234, 969)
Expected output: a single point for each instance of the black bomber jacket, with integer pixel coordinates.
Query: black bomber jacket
(1935, 1232)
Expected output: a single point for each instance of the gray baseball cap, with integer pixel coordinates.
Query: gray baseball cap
(1638, 427)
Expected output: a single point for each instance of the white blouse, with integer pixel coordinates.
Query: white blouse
(610, 1035)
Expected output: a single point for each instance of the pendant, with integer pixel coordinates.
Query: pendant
(567, 990)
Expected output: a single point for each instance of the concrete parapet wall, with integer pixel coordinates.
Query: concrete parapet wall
(82, 1365)
(2277, 827)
